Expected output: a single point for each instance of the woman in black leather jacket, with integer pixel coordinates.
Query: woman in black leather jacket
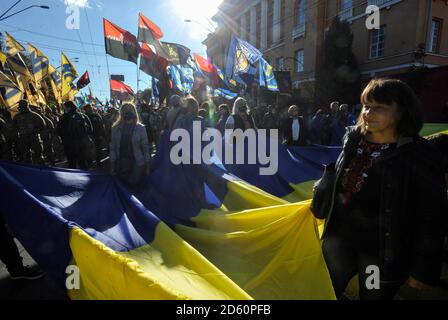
(387, 208)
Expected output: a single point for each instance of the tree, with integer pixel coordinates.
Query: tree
(338, 74)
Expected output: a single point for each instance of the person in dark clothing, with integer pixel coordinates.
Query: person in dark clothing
(315, 134)
(3, 148)
(75, 130)
(99, 132)
(223, 115)
(271, 120)
(388, 200)
(29, 126)
(294, 129)
(10, 134)
(10, 256)
(46, 136)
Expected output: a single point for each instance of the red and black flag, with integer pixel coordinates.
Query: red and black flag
(151, 63)
(83, 81)
(120, 91)
(148, 31)
(120, 43)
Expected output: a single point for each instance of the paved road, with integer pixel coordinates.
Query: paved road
(42, 289)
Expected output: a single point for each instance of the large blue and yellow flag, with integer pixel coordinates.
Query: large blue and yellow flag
(69, 74)
(39, 64)
(12, 45)
(266, 76)
(209, 235)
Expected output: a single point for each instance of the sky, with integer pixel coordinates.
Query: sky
(46, 29)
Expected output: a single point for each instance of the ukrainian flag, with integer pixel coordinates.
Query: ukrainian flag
(39, 64)
(195, 232)
(69, 74)
(12, 45)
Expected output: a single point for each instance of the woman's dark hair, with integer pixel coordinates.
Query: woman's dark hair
(225, 107)
(388, 91)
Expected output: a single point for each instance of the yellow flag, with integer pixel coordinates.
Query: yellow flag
(2, 58)
(56, 83)
(12, 46)
(68, 75)
(39, 64)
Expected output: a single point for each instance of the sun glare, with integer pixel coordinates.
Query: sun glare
(199, 12)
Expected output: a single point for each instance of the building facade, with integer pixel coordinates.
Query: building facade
(291, 35)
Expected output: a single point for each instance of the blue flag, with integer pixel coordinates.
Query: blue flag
(267, 78)
(241, 61)
(226, 94)
(183, 78)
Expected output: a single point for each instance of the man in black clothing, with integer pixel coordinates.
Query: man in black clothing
(75, 130)
(99, 132)
(294, 129)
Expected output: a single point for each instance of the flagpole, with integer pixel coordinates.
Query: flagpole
(138, 78)
(108, 74)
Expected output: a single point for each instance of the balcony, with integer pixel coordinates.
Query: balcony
(299, 31)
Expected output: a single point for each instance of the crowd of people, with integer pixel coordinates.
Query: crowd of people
(384, 200)
(81, 137)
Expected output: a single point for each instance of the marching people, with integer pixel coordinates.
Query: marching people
(384, 200)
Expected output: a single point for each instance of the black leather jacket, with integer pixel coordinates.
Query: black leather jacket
(413, 206)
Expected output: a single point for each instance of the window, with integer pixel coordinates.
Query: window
(300, 60)
(377, 42)
(282, 20)
(280, 63)
(345, 9)
(270, 22)
(301, 12)
(258, 19)
(436, 28)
